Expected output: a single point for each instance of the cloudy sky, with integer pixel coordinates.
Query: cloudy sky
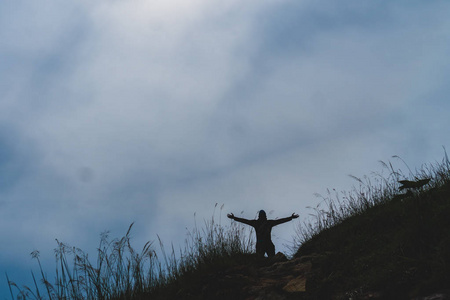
(114, 111)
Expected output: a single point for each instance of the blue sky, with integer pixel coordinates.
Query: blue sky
(120, 111)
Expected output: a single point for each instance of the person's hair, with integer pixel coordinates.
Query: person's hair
(262, 215)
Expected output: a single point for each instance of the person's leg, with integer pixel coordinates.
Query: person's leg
(270, 249)
(260, 249)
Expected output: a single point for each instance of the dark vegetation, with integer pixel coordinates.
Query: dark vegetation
(396, 246)
(121, 272)
(374, 240)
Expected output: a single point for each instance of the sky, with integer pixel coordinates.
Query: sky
(121, 111)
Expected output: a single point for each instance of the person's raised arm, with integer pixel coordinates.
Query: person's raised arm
(242, 220)
(284, 220)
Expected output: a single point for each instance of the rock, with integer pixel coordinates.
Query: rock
(279, 257)
(271, 278)
(407, 184)
(297, 284)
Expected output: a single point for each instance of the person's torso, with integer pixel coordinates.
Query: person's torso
(263, 231)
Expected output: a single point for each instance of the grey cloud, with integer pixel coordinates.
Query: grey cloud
(120, 113)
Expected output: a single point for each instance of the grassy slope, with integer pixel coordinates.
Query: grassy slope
(400, 248)
(369, 242)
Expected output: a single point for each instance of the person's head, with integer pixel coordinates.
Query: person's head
(262, 215)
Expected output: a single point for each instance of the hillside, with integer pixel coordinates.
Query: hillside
(393, 246)
(382, 241)
(396, 250)
(399, 250)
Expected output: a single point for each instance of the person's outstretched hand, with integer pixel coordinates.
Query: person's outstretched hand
(294, 216)
(231, 216)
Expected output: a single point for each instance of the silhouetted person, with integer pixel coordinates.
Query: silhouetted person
(263, 229)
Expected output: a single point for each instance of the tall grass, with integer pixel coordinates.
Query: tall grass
(380, 238)
(121, 272)
(377, 189)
